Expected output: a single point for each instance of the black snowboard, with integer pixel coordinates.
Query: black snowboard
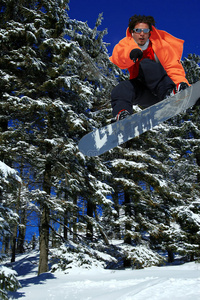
(106, 138)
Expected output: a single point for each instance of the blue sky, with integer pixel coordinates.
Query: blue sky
(180, 18)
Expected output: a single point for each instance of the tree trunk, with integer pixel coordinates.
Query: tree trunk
(90, 211)
(66, 218)
(14, 239)
(116, 231)
(101, 229)
(128, 227)
(33, 242)
(170, 256)
(15, 229)
(65, 224)
(44, 241)
(74, 219)
(5, 245)
(22, 232)
(44, 223)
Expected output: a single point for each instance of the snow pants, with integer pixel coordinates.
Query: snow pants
(148, 88)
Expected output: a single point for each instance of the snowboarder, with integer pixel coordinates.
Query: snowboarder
(152, 58)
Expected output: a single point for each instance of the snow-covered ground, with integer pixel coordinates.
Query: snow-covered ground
(155, 283)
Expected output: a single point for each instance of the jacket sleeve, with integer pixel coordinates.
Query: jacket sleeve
(121, 52)
(173, 66)
(169, 51)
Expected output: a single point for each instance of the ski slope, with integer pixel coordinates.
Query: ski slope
(155, 283)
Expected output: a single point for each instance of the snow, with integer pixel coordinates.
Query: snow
(154, 283)
(6, 271)
(126, 163)
(6, 170)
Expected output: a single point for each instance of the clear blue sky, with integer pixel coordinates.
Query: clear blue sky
(181, 18)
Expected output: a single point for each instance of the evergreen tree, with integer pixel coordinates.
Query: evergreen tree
(155, 209)
(10, 183)
(56, 79)
(192, 68)
(55, 75)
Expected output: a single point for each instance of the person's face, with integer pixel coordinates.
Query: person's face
(141, 38)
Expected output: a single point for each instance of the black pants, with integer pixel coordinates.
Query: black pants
(147, 89)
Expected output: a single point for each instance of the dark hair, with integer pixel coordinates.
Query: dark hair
(140, 19)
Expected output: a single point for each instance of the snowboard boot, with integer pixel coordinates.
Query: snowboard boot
(179, 87)
(122, 114)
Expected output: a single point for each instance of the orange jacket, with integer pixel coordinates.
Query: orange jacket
(167, 48)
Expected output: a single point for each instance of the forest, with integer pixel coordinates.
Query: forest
(135, 206)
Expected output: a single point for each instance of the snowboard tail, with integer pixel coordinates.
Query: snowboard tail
(108, 137)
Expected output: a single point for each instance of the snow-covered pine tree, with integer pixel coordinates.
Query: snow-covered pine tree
(186, 170)
(8, 282)
(140, 177)
(55, 75)
(55, 87)
(29, 43)
(192, 68)
(182, 138)
(10, 183)
(162, 194)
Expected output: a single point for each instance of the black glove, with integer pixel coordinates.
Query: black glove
(182, 86)
(136, 54)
